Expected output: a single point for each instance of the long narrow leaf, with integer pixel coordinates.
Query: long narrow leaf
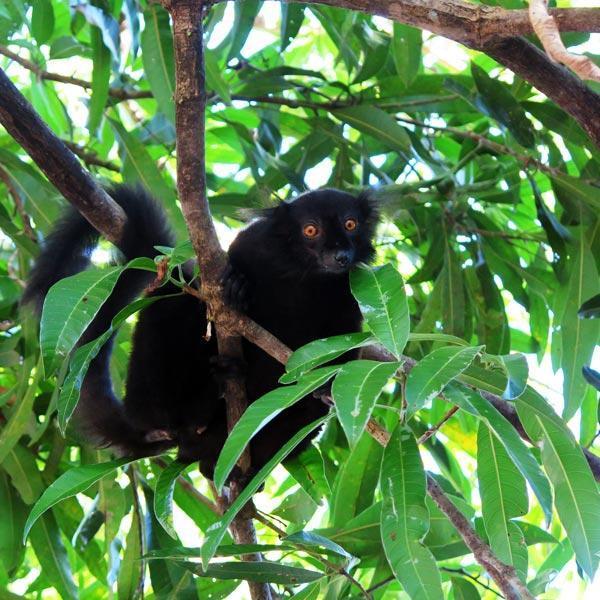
(382, 300)
(72, 482)
(261, 412)
(405, 518)
(215, 532)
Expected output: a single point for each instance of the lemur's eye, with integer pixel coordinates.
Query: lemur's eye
(350, 224)
(310, 231)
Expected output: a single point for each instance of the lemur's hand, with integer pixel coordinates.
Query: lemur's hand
(235, 289)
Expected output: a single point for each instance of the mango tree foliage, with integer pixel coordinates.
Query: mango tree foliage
(487, 275)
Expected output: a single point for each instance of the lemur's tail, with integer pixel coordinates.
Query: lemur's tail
(66, 252)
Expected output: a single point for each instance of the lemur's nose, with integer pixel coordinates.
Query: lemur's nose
(342, 257)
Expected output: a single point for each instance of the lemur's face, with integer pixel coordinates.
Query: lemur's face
(330, 231)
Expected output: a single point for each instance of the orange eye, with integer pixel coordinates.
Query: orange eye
(310, 231)
(350, 224)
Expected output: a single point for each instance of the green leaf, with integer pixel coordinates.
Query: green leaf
(146, 171)
(214, 79)
(312, 539)
(261, 412)
(453, 295)
(432, 373)
(382, 300)
(244, 15)
(215, 533)
(100, 80)
(42, 20)
(376, 123)
(579, 337)
(73, 481)
(158, 58)
(406, 45)
(308, 470)
(405, 518)
(577, 496)
(15, 513)
(52, 556)
(355, 481)
(375, 57)
(69, 307)
(130, 580)
(551, 567)
(180, 552)
(517, 371)
(83, 356)
(497, 102)
(20, 418)
(355, 390)
(163, 495)
(321, 351)
(262, 571)
(577, 190)
(503, 497)
(463, 589)
(519, 453)
(292, 17)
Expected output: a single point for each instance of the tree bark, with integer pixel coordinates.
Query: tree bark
(190, 106)
(466, 22)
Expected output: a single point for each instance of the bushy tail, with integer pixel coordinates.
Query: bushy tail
(66, 252)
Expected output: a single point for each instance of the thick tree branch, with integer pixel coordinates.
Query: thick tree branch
(58, 162)
(466, 22)
(190, 105)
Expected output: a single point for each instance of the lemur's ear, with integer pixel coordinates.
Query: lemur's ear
(248, 214)
(368, 206)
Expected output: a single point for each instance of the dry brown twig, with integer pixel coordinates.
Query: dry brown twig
(547, 31)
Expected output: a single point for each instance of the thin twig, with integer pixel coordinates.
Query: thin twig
(431, 432)
(484, 142)
(118, 93)
(327, 563)
(91, 158)
(473, 578)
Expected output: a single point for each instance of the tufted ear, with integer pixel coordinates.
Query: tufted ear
(271, 212)
(368, 207)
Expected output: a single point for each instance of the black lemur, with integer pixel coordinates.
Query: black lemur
(288, 272)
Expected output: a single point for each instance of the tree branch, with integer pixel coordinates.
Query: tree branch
(503, 575)
(190, 105)
(117, 93)
(466, 22)
(58, 162)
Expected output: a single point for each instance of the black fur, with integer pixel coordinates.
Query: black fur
(295, 287)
